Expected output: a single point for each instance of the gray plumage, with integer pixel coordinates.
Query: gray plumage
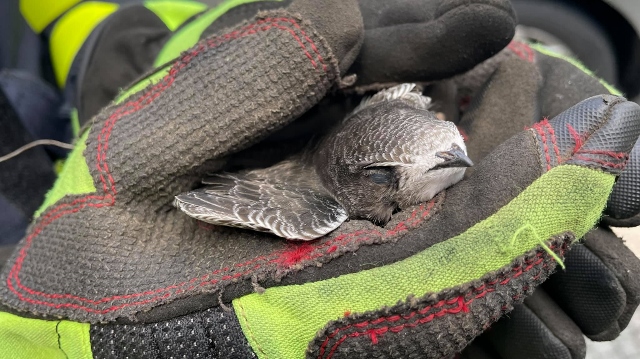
(389, 153)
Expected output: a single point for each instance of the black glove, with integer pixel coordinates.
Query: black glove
(600, 289)
(403, 42)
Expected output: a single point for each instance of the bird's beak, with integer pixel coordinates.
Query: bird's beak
(455, 157)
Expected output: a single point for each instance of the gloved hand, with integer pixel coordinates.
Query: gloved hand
(446, 38)
(595, 296)
(134, 258)
(600, 289)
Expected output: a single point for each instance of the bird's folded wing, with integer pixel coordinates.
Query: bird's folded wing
(283, 200)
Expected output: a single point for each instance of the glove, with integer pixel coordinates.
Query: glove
(595, 296)
(139, 38)
(598, 292)
(161, 247)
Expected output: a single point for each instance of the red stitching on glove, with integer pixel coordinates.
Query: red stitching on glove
(546, 123)
(576, 138)
(621, 165)
(538, 127)
(579, 152)
(616, 155)
(459, 301)
(417, 216)
(87, 309)
(280, 257)
(313, 45)
(297, 254)
(108, 183)
(522, 50)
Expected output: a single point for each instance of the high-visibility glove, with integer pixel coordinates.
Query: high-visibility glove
(159, 284)
(598, 292)
(595, 296)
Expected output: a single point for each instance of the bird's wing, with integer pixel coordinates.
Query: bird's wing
(406, 92)
(284, 200)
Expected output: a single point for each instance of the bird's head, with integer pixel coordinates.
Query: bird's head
(388, 156)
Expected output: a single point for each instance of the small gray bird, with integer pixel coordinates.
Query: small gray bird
(388, 154)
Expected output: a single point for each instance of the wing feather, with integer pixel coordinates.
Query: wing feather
(286, 200)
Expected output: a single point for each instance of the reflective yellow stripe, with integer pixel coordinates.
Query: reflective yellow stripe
(40, 13)
(70, 32)
(174, 13)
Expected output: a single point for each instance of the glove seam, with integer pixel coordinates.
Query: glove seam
(451, 306)
(245, 324)
(522, 50)
(577, 153)
(110, 192)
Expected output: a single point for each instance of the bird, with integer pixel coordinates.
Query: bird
(389, 153)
